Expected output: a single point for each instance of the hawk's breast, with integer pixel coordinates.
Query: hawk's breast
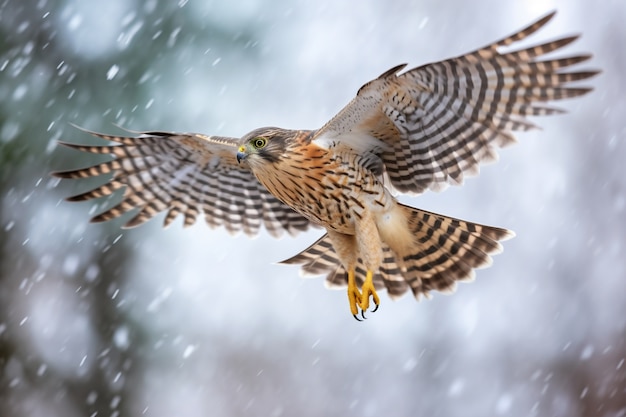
(330, 189)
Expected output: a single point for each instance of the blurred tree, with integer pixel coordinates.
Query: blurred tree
(46, 82)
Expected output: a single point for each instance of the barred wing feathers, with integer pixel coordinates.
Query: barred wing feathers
(432, 124)
(184, 174)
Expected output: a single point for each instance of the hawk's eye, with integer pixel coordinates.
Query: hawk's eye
(259, 142)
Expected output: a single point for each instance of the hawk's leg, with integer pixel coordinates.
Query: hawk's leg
(354, 295)
(346, 247)
(369, 248)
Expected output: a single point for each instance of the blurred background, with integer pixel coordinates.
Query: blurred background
(100, 321)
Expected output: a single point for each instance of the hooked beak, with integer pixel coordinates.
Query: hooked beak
(241, 154)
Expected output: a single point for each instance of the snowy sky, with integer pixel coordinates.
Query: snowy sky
(201, 323)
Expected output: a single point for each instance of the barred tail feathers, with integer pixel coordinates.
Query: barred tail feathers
(444, 250)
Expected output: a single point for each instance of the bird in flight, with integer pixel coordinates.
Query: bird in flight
(405, 132)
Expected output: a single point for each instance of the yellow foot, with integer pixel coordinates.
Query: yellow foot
(361, 299)
(368, 290)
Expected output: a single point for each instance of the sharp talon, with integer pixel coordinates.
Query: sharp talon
(367, 291)
(360, 299)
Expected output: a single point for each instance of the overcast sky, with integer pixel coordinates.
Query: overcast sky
(194, 322)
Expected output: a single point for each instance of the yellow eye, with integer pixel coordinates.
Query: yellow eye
(259, 142)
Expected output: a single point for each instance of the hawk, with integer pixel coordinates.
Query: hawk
(406, 131)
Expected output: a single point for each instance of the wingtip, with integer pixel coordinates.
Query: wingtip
(524, 32)
(74, 198)
(67, 144)
(549, 15)
(75, 126)
(509, 234)
(58, 174)
(545, 18)
(82, 129)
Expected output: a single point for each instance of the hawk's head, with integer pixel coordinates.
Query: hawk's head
(263, 145)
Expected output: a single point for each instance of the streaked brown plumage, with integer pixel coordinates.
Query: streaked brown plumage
(404, 132)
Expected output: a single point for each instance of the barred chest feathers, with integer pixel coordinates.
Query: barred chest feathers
(331, 189)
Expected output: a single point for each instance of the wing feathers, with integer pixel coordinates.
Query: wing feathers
(523, 33)
(442, 120)
(183, 174)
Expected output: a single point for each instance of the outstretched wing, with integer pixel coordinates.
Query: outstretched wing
(432, 124)
(184, 174)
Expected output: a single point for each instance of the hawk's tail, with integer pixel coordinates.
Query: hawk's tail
(445, 250)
